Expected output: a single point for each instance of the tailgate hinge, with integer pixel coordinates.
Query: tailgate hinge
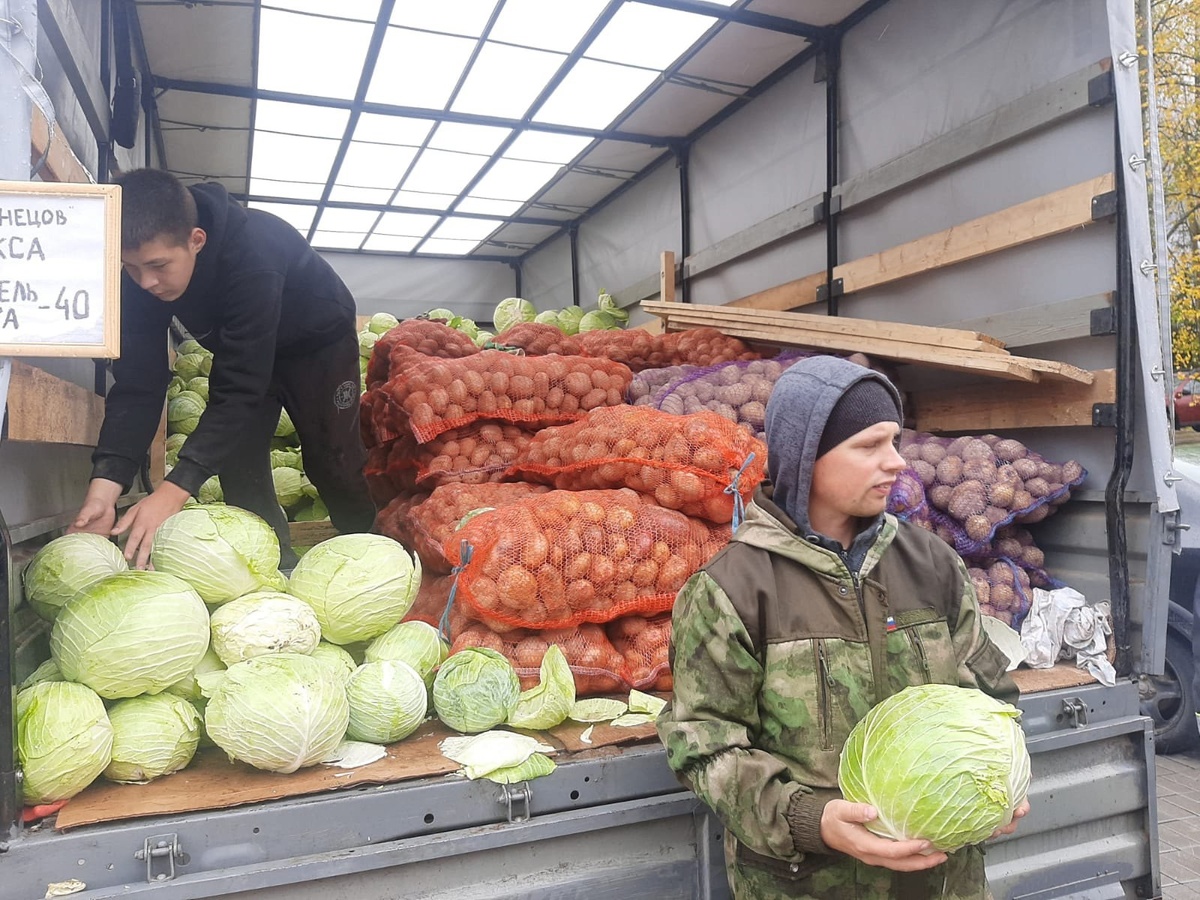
(513, 794)
(161, 853)
(1075, 712)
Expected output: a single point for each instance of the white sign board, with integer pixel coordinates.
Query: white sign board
(60, 269)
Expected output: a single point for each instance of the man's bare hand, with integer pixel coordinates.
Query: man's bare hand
(143, 519)
(843, 828)
(98, 513)
(1018, 813)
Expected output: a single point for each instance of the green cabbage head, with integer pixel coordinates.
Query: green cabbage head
(278, 712)
(152, 735)
(290, 458)
(285, 428)
(475, 689)
(289, 485)
(366, 343)
(263, 622)
(388, 700)
(183, 413)
(198, 385)
(64, 566)
(510, 311)
(188, 687)
(418, 644)
(188, 365)
(382, 323)
(211, 491)
(221, 551)
(47, 671)
(64, 740)
(597, 320)
(337, 658)
(132, 633)
(568, 319)
(547, 317)
(174, 386)
(359, 585)
(940, 763)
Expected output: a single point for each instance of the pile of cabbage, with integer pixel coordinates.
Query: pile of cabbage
(607, 316)
(215, 644)
(187, 397)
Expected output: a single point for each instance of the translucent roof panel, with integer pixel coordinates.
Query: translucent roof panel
(375, 165)
(594, 93)
(423, 199)
(540, 146)
(337, 240)
(443, 171)
(399, 130)
(448, 247)
(352, 193)
(284, 157)
(390, 243)
(467, 229)
(462, 17)
(505, 80)
(489, 206)
(515, 179)
(298, 216)
(417, 68)
(355, 220)
(649, 36)
(468, 138)
(314, 55)
(406, 224)
(546, 24)
(300, 118)
(363, 10)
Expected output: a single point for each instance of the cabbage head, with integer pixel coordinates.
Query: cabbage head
(132, 633)
(418, 644)
(263, 622)
(289, 458)
(568, 319)
(366, 344)
(510, 311)
(211, 491)
(549, 703)
(66, 565)
(198, 385)
(152, 736)
(183, 413)
(475, 689)
(337, 658)
(278, 712)
(481, 338)
(382, 323)
(221, 551)
(548, 317)
(285, 428)
(441, 314)
(317, 512)
(64, 740)
(467, 327)
(174, 442)
(47, 671)
(188, 687)
(187, 365)
(189, 346)
(174, 386)
(289, 485)
(359, 585)
(388, 700)
(940, 763)
(597, 320)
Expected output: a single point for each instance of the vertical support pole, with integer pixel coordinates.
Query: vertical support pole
(516, 267)
(19, 36)
(685, 220)
(573, 233)
(829, 68)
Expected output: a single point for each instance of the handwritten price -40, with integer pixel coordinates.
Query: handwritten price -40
(75, 307)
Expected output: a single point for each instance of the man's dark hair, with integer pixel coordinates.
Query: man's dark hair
(155, 205)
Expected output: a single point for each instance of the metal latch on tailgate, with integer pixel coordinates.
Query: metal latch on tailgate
(1075, 712)
(516, 793)
(161, 853)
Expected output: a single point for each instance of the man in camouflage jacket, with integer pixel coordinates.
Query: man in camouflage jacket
(793, 632)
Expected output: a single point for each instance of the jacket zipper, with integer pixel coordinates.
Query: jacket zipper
(919, 648)
(824, 689)
(878, 653)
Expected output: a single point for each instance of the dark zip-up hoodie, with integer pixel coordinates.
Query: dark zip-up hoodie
(259, 291)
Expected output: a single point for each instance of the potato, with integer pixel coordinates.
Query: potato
(926, 472)
(977, 449)
(978, 469)
(939, 495)
(932, 452)
(978, 527)
(967, 499)
(950, 470)
(1037, 487)
(1009, 450)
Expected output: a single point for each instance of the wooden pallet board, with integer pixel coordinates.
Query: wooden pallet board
(46, 409)
(998, 408)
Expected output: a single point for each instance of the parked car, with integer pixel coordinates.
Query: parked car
(1187, 401)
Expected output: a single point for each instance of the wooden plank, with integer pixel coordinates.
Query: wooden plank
(995, 407)
(1032, 220)
(1036, 110)
(790, 295)
(47, 409)
(995, 364)
(917, 334)
(62, 164)
(1044, 324)
(666, 277)
(306, 534)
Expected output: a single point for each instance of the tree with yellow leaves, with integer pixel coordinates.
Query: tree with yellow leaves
(1176, 37)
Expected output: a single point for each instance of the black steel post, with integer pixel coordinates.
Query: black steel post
(573, 232)
(10, 780)
(685, 221)
(516, 267)
(832, 64)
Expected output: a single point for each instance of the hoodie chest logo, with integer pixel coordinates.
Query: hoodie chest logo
(343, 397)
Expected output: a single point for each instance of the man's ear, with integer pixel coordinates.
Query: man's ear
(197, 239)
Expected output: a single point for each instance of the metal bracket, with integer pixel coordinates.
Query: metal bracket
(1075, 712)
(1174, 528)
(1104, 321)
(828, 291)
(1104, 206)
(161, 853)
(1104, 415)
(1102, 89)
(521, 793)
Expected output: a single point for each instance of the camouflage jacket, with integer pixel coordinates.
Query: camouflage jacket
(778, 650)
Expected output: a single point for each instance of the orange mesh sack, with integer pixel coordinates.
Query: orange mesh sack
(473, 454)
(644, 645)
(569, 557)
(424, 522)
(382, 486)
(537, 339)
(427, 337)
(436, 395)
(640, 350)
(432, 597)
(597, 666)
(689, 463)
